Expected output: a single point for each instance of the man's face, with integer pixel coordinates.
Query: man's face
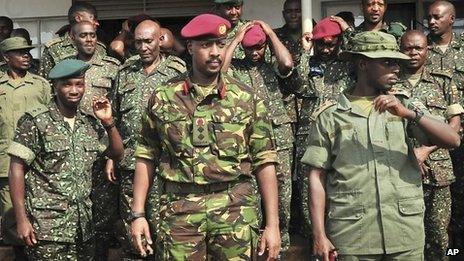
(374, 11)
(292, 15)
(147, 45)
(440, 20)
(382, 73)
(5, 30)
(87, 17)
(85, 39)
(207, 56)
(69, 92)
(256, 53)
(18, 59)
(231, 12)
(414, 46)
(327, 47)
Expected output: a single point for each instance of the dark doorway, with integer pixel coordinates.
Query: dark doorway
(404, 13)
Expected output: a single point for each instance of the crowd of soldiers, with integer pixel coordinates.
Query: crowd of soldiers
(191, 148)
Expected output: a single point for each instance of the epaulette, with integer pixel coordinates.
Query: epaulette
(327, 104)
(53, 42)
(177, 63)
(130, 61)
(177, 79)
(111, 60)
(102, 45)
(399, 92)
(38, 77)
(441, 73)
(36, 111)
(232, 80)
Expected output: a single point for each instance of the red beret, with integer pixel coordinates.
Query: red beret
(206, 26)
(254, 36)
(325, 28)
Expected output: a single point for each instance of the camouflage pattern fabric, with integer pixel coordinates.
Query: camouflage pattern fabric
(293, 46)
(15, 98)
(58, 251)
(204, 135)
(395, 28)
(184, 234)
(59, 49)
(239, 52)
(263, 78)
(130, 98)
(59, 180)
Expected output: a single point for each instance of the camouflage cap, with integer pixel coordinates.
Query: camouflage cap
(14, 43)
(235, 2)
(67, 69)
(375, 45)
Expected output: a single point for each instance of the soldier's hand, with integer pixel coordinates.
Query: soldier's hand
(26, 232)
(307, 41)
(102, 110)
(270, 241)
(422, 153)
(343, 25)
(322, 247)
(109, 171)
(266, 28)
(141, 237)
(241, 32)
(391, 104)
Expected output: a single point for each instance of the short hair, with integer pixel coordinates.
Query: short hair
(364, 2)
(80, 7)
(346, 16)
(447, 4)
(21, 32)
(7, 21)
(291, 1)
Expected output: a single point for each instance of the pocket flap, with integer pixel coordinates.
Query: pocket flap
(346, 212)
(437, 103)
(102, 83)
(411, 206)
(281, 119)
(92, 146)
(48, 204)
(54, 144)
(439, 155)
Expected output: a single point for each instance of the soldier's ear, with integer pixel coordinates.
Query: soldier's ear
(5, 57)
(189, 47)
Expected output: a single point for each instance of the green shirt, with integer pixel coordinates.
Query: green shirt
(15, 98)
(373, 187)
(59, 180)
(203, 139)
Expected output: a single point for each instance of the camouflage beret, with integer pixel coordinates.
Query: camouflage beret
(14, 43)
(67, 69)
(375, 45)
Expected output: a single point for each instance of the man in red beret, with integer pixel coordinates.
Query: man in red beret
(264, 78)
(321, 76)
(208, 136)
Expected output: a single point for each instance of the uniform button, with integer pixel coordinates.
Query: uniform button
(197, 150)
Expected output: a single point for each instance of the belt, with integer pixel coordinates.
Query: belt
(192, 188)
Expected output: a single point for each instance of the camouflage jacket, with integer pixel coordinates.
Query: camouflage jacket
(100, 79)
(396, 29)
(15, 98)
(263, 78)
(293, 46)
(132, 92)
(206, 134)
(59, 49)
(439, 94)
(239, 52)
(59, 180)
(451, 61)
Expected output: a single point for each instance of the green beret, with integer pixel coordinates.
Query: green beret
(67, 69)
(375, 45)
(234, 2)
(14, 43)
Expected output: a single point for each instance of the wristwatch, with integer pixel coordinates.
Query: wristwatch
(135, 215)
(419, 115)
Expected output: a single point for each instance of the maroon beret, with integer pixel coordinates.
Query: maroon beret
(206, 26)
(325, 28)
(254, 36)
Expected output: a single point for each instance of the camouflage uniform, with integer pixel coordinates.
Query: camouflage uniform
(293, 46)
(396, 29)
(263, 78)
(439, 94)
(321, 81)
(59, 181)
(206, 142)
(452, 62)
(15, 98)
(59, 49)
(239, 52)
(131, 95)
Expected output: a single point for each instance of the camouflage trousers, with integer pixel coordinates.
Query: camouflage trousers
(302, 171)
(104, 209)
(457, 196)
(436, 221)
(151, 209)
(284, 182)
(216, 226)
(58, 251)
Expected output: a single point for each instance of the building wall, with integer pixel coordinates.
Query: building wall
(266, 10)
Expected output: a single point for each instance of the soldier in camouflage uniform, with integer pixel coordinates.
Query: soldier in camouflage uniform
(52, 155)
(63, 47)
(263, 78)
(207, 136)
(137, 80)
(438, 93)
(19, 90)
(446, 53)
(322, 78)
(99, 79)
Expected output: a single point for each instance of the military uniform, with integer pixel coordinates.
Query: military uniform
(59, 180)
(206, 142)
(263, 78)
(59, 49)
(439, 94)
(130, 98)
(395, 28)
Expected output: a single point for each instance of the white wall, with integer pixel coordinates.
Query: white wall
(270, 11)
(34, 8)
